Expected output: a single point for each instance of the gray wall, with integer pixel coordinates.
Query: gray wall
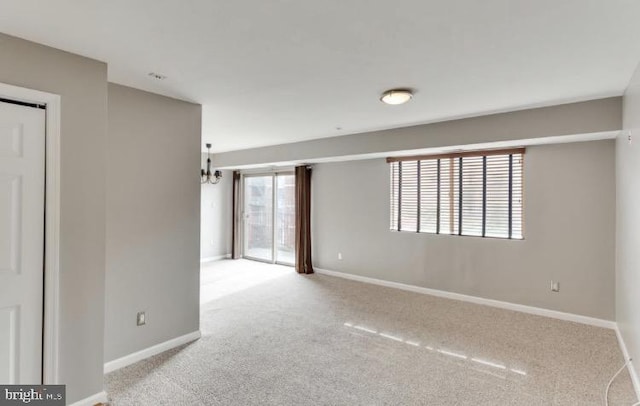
(215, 217)
(567, 119)
(82, 83)
(153, 219)
(628, 224)
(569, 234)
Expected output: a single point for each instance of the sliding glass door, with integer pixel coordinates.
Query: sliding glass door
(258, 217)
(269, 218)
(285, 220)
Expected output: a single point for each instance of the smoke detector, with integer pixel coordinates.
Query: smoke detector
(157, 76)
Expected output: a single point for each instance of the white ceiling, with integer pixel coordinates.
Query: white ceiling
(277, 71)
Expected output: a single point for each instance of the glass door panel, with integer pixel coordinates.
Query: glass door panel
(285, 219)
(258, 217)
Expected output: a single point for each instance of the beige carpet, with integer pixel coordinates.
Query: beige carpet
(272, 337)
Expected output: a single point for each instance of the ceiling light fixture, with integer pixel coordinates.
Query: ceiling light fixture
(206, 176)
(396, 96)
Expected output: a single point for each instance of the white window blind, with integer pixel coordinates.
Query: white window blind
(474, 194)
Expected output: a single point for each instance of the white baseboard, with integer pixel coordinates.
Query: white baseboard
(216, 258)
(100, 397)
(149, 352)
(632, 371)
(474, 299)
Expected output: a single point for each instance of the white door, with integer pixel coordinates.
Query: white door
(22, 142)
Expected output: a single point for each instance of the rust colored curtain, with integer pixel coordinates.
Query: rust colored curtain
(303, 220)
(235, 205)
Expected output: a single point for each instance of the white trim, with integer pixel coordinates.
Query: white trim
(477, 300)
(52, 244)
(632, 371)
(150, 352)
(215, 258)
(100, 397)
(52, 224)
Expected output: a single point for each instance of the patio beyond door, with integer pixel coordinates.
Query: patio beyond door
(269, 218)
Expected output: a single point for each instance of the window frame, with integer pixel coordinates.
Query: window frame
(456, 208)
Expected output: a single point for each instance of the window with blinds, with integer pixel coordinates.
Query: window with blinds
(471, 193)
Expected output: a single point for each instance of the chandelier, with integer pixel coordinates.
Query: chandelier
(206, 177)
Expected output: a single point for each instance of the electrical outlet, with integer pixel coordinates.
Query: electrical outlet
(555, 286)
(141, 320)
(340, 256)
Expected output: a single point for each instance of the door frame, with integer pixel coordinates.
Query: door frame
(51, 300)
(273, 173)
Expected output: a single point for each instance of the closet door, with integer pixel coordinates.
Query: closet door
(22, 142)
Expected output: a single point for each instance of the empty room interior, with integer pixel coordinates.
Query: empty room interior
(320, 203)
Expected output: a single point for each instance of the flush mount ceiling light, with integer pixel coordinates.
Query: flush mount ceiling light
(396, 96)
